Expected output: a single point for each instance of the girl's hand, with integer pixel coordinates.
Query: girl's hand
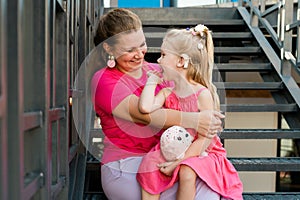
(154, 77)
(168, 168)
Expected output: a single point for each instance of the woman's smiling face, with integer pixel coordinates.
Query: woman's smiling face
(130, 50)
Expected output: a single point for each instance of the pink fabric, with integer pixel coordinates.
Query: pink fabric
(214, 169)
(123, 138)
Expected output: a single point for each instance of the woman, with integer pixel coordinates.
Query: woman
(115, 89)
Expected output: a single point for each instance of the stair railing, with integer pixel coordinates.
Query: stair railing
(286, 29)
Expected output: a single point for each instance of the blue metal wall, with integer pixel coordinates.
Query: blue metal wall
(143, 3)
(139, 4)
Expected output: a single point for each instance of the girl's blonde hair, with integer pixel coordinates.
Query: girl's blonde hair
(199, 48)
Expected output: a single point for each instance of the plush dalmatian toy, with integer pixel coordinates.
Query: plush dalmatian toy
(174, 142)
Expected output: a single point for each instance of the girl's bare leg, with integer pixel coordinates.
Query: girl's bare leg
(187, 183)
(147, 196)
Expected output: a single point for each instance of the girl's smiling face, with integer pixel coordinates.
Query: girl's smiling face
(169, 62)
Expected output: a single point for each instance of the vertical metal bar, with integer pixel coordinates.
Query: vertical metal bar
(262, 6)
(53, 67)
(278, 20)
(21, 15)
(62, 91)
(14, 100)
(254, 18)
(298, 36)
(287, 39)
(278, 148)
(240, 2)
(58, 150)
(48, 128)
(282, 30)
(74, 57)
(69, 34)
(54, 124)
(3, 106)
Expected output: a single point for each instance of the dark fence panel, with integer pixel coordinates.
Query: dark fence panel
(40, 46)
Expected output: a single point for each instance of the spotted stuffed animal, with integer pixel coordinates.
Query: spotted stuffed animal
(174, 142)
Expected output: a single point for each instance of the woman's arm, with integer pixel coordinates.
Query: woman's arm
(207, 122)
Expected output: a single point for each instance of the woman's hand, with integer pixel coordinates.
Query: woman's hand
(209, 123)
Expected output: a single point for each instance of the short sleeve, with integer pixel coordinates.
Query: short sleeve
(109, 88)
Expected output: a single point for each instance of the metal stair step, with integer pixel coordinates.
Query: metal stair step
(272, 196)
(266, 164)
(154, 36)
(246, 196)
(260, 134)
(237, 50)
(193, 22)
(188, 15)
(227, 35)
(232, 35)
(259, 107)
(249, 85)
(94, 196)
(221, 50)
(243, 67)
(249, 164)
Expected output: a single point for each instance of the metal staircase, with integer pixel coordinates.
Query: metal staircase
(240, 49)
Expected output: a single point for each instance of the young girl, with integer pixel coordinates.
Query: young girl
(187, 58)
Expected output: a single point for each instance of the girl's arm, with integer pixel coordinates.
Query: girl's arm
(196, 148)
(205, 102)
(148, 102)
(207, 122)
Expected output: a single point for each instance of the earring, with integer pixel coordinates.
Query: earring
(111, 63)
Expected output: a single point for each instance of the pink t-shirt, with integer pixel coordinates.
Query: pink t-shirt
(123, 138)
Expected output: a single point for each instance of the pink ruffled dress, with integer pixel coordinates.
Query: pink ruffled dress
(214, 168)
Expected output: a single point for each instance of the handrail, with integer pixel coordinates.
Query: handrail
(282, 35)
(277, 62)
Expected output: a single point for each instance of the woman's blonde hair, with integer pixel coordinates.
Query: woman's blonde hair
(199, 48)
